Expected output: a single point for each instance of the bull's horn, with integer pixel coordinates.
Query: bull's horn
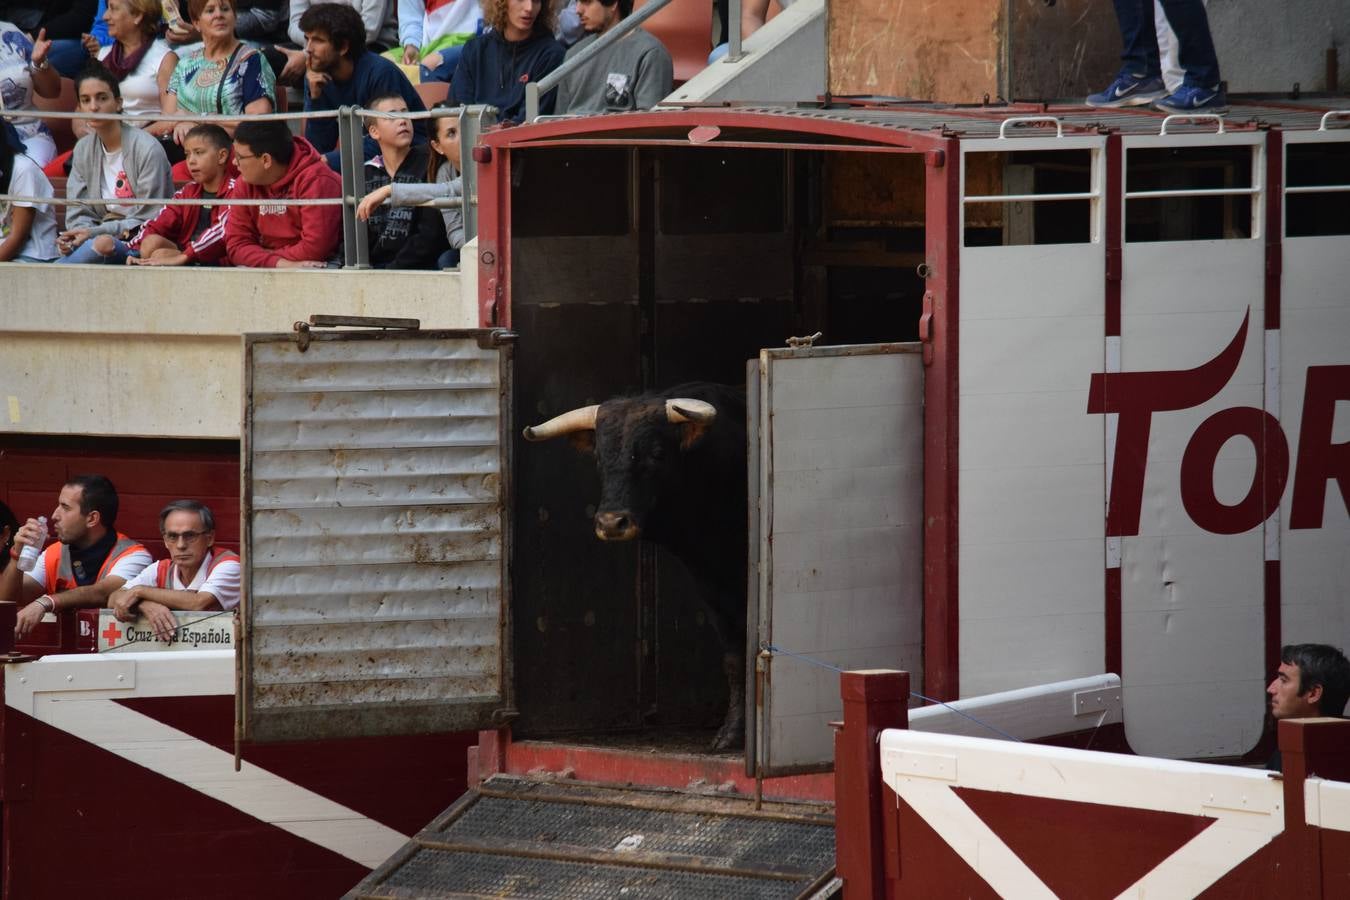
(582, 419)
(684, 409)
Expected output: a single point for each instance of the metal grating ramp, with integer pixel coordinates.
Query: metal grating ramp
(514, 837)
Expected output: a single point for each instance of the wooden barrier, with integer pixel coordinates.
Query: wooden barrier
(973, 817)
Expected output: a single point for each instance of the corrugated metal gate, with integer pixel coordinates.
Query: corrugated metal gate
(375, 483)
(519, 838)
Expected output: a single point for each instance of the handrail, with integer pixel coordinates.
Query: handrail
(351, 135)
(1332, 114)
(535, 89)
(1191, 117)
(734, 36)
(1027, 120)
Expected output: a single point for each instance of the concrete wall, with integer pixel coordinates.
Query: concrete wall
(134, 352)
(1267, 46)
(784, 62)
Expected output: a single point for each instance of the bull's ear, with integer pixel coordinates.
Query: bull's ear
(583, 441)
(692, 432)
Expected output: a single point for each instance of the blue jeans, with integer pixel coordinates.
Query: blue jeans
(448, 260)
(86, 254)
(68, 57)
(449, 59)
(1140, 39)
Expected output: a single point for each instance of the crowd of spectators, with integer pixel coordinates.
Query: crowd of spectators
(159, 59)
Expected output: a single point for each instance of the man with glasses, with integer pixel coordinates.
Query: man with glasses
(89, 561)
(195, 576)
(276, 166)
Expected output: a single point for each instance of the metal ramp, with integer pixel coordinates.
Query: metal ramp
(513, 837)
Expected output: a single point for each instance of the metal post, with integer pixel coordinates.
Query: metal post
(355, 253)
(473, 121)
(733, 31)
(531, 101)
(873, 701)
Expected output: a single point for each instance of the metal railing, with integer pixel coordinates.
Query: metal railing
(536, 89)
(473, 121)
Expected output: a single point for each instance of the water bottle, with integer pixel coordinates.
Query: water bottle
(28, 557)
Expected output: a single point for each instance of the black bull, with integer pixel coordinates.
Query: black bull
(672, 471)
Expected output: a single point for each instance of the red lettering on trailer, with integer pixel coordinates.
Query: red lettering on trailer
(1319, 460)
(1136, 396)
(1197, 470)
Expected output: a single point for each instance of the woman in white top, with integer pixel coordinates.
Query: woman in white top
(139, 60)
(24, 70)
(27, 227)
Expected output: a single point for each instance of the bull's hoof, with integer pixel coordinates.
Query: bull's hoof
(731, 736)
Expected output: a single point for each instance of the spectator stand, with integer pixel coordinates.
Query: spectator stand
(351, 130)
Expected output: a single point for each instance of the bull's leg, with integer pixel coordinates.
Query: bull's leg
(732, 733)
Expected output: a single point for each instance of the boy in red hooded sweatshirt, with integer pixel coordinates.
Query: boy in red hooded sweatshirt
(191, 235)
(273, 164)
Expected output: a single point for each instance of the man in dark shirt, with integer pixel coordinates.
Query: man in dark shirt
(1313, 680)
(343, 73)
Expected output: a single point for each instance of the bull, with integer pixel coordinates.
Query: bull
(672, 471)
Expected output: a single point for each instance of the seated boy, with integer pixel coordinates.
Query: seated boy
(402, 237)
(183, 235)
(275, 165)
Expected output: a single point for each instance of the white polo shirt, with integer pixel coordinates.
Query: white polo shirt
(222, 583)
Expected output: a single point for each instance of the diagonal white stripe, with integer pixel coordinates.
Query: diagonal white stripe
(180, 757)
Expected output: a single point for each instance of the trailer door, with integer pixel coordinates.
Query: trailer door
(836, 514)
(375, 476)
(1191, 561)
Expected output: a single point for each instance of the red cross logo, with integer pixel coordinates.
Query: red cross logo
(112, 633)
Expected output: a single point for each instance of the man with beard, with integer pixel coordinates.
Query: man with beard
(634, 73)
(89, 562)
(341, 72)
(1313, 680)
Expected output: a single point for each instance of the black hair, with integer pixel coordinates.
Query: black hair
(340, 22)
(11, 145)
(97, 494)
(10, 521)
(192, 506)
(625, 6)
(378, 98)
(210, 132)
(273, 138)
(1320, 664)
(97, 70)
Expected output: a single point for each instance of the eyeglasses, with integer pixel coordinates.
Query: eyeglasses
(173, 537)
(240, 157)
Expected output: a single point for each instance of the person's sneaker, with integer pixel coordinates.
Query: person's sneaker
(1194, 99)
(1129, 90)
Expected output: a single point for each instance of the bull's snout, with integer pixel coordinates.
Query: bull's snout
(615, 526)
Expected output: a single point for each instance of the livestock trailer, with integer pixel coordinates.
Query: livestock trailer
(1035, 393)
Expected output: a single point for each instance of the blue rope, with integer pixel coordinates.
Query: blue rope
(824, 665)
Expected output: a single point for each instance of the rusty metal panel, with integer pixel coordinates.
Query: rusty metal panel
(840, 536)
(375, 478)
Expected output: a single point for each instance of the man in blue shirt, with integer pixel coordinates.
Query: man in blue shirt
(341, 72)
